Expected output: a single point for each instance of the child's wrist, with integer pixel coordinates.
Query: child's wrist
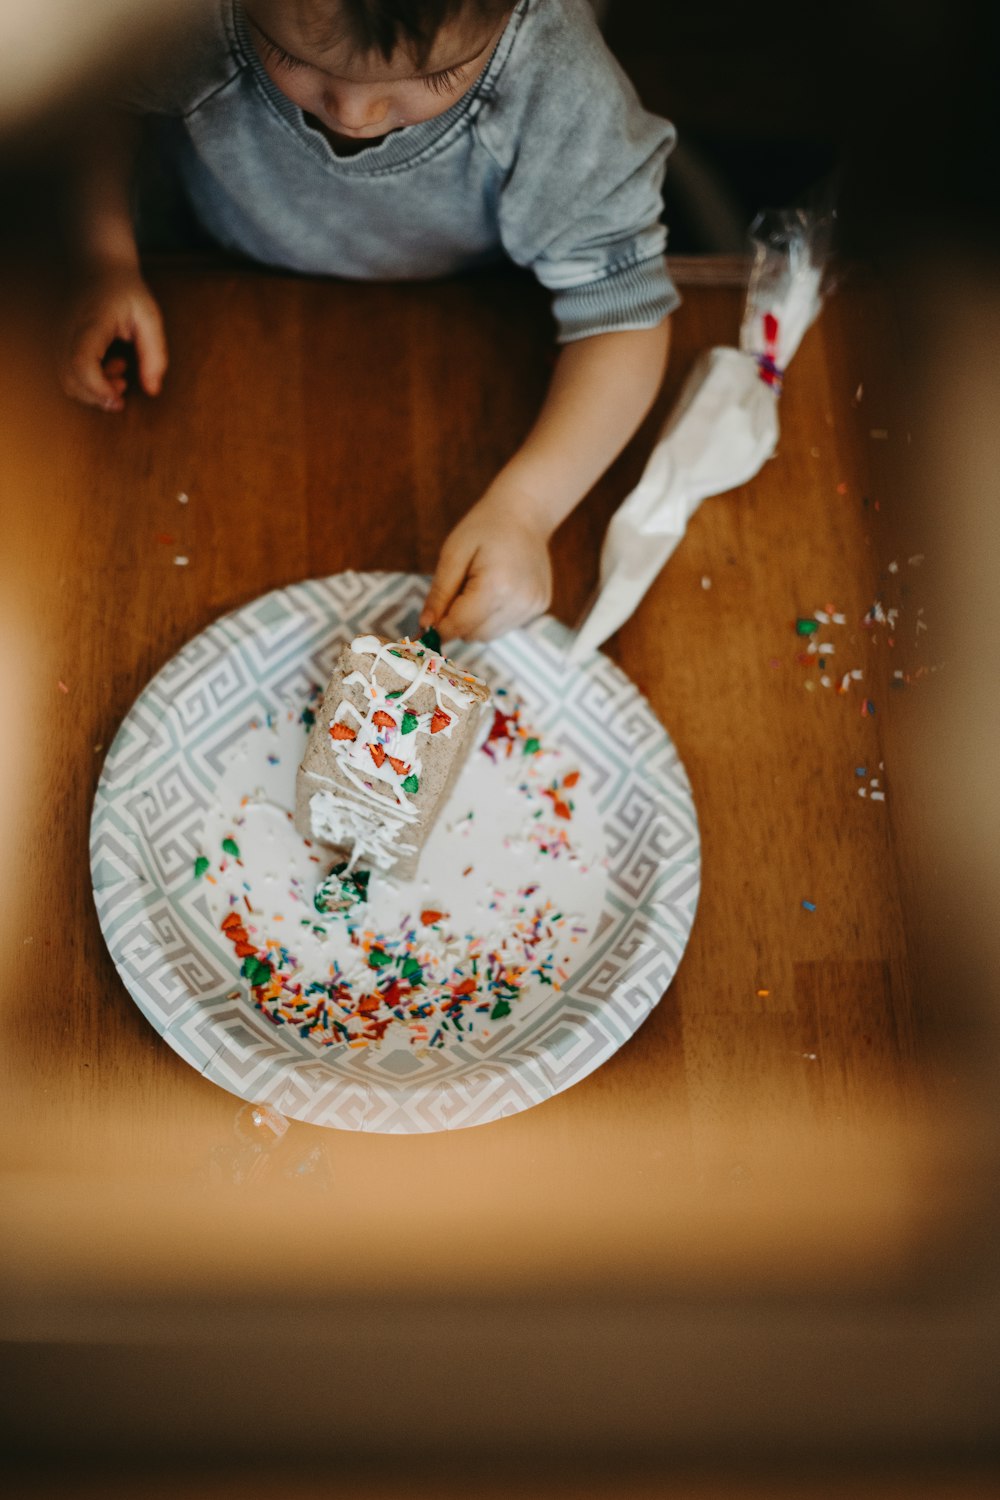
(532, 496)
(108, 248)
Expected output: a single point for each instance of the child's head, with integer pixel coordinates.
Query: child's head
(366, 67)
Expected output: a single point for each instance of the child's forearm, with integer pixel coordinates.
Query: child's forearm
(105, 233)
(601, 389)
(112, 304)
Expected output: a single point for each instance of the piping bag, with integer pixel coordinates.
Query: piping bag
(724, 426)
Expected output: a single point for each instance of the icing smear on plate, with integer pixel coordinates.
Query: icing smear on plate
(510, 887)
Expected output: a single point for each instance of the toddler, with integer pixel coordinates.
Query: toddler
(391, 139)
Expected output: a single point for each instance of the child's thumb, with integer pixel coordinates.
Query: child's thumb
(446, 584)
(150, 347)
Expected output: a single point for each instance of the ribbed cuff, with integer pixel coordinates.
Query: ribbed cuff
(638, 296)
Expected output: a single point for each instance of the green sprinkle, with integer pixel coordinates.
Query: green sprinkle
(411, 784)
(230, 846)
(431, 639)
(806, 627)
(499, 1010)
(308, 717)
(361, 878)
(200, 866)
(397, 694)
(378, 958)
(532, 746)
(412, 970)
(410, 722)
(256, 971)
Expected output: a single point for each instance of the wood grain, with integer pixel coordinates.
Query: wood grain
(770, 1118)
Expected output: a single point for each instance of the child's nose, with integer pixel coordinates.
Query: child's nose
(356, 109)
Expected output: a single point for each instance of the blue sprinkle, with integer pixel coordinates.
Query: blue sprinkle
(809, 905)
(861, 770)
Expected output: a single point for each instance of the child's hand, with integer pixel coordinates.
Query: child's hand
(116, 306)
(494, 571)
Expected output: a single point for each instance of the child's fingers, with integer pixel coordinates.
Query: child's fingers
(470, 611)
(83, 374)
(150, 346)
(449, 576)
(116, 374)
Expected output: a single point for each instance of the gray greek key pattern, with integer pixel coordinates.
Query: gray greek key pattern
(157, 786)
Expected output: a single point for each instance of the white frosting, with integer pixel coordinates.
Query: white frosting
(428, 668)
(381, 751)
(335, 821)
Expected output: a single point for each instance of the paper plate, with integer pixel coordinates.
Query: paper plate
(562, 877)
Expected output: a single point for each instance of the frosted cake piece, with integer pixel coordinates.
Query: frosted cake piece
(392, 733)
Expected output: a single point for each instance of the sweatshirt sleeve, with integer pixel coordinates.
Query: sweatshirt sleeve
(193, 64)
(581, 192)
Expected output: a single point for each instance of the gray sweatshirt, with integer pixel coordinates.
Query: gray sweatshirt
(549, 159)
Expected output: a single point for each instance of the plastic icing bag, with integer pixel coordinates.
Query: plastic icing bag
(724, 425)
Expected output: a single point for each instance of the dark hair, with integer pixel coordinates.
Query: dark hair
(384, 25)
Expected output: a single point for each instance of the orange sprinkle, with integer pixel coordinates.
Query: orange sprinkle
(342, 732)
(383, 720)
(762, 993)
(430, 916)
(377, 753)
(571, 779)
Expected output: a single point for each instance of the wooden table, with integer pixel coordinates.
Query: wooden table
(772, 1131)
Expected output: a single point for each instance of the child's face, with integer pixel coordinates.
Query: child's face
(361, 97)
